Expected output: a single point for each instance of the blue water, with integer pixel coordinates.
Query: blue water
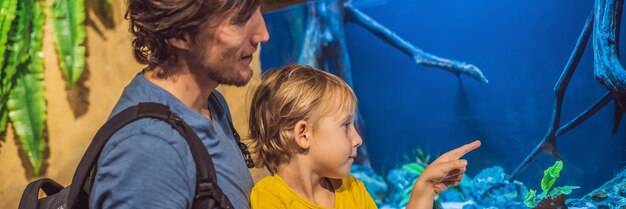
(521, 46)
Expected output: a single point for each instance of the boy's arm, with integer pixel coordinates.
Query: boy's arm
(422, 196)
(447, 170)
(436, 178)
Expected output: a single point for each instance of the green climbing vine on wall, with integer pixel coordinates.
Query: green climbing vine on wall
(22, 92)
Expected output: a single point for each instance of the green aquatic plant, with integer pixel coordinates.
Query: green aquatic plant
(550, 176)
(418, 156)
(415, 166)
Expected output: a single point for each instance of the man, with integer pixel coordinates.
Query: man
(190, 47)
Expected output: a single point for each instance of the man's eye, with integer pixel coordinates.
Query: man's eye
(242, 20)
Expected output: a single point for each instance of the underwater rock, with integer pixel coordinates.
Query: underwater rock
(459, 193)
(622, 190)
(609, 195)
(374, 183)
(400, 183)
(599, 196)
(508, 206)
(486, 179)
(472, 206)
(491, 188)
(388, 207)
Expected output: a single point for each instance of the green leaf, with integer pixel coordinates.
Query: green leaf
(17, 37)
(550, 175)
(27, 110)
(543, 194)
(413, 168)
(68, 18)
(405, 200)
(530, 198)
(546, 183)
(8, 9)
(566, 190)
(421, 157)
(4, 118)
(406, 157)
(406, 193)
(27, 105)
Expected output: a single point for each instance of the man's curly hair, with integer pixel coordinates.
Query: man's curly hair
(152, 22)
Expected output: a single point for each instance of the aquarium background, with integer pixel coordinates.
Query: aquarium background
(521, 47)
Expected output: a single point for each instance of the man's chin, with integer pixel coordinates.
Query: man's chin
(246, 73)
(238, 80)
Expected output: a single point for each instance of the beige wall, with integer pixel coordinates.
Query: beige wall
(75, 114)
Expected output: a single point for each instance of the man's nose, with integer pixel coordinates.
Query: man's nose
(261, 34)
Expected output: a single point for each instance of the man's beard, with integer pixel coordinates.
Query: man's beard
(229, 77)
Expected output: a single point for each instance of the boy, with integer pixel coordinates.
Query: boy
(302, 130)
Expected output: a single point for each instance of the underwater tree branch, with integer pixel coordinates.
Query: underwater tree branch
(418, 55)
(617, 117)
(324, 47)
(608, 70)
(603, 101)
(311, 44)
(548, 142)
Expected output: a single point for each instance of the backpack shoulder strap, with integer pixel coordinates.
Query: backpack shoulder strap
(30, 197)
(207, 190)
(216, 100)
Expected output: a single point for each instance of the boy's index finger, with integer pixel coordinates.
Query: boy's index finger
(459, 152)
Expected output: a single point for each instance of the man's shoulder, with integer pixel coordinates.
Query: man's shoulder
(158, 132)
(149, 127)
(137, 156)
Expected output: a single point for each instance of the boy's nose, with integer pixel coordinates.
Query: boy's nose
(357, 141)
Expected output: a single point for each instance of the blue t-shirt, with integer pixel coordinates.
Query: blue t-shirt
(147, 164)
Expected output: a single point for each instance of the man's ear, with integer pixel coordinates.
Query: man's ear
(302, 135)
(180, 42)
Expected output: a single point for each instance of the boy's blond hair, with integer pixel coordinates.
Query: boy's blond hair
(286, 96)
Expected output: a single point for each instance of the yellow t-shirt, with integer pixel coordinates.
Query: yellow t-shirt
(272, 192)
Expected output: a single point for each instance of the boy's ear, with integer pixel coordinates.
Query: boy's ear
(301, 135)
(180, 42)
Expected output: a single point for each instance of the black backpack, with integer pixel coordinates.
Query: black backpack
(76, 195)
